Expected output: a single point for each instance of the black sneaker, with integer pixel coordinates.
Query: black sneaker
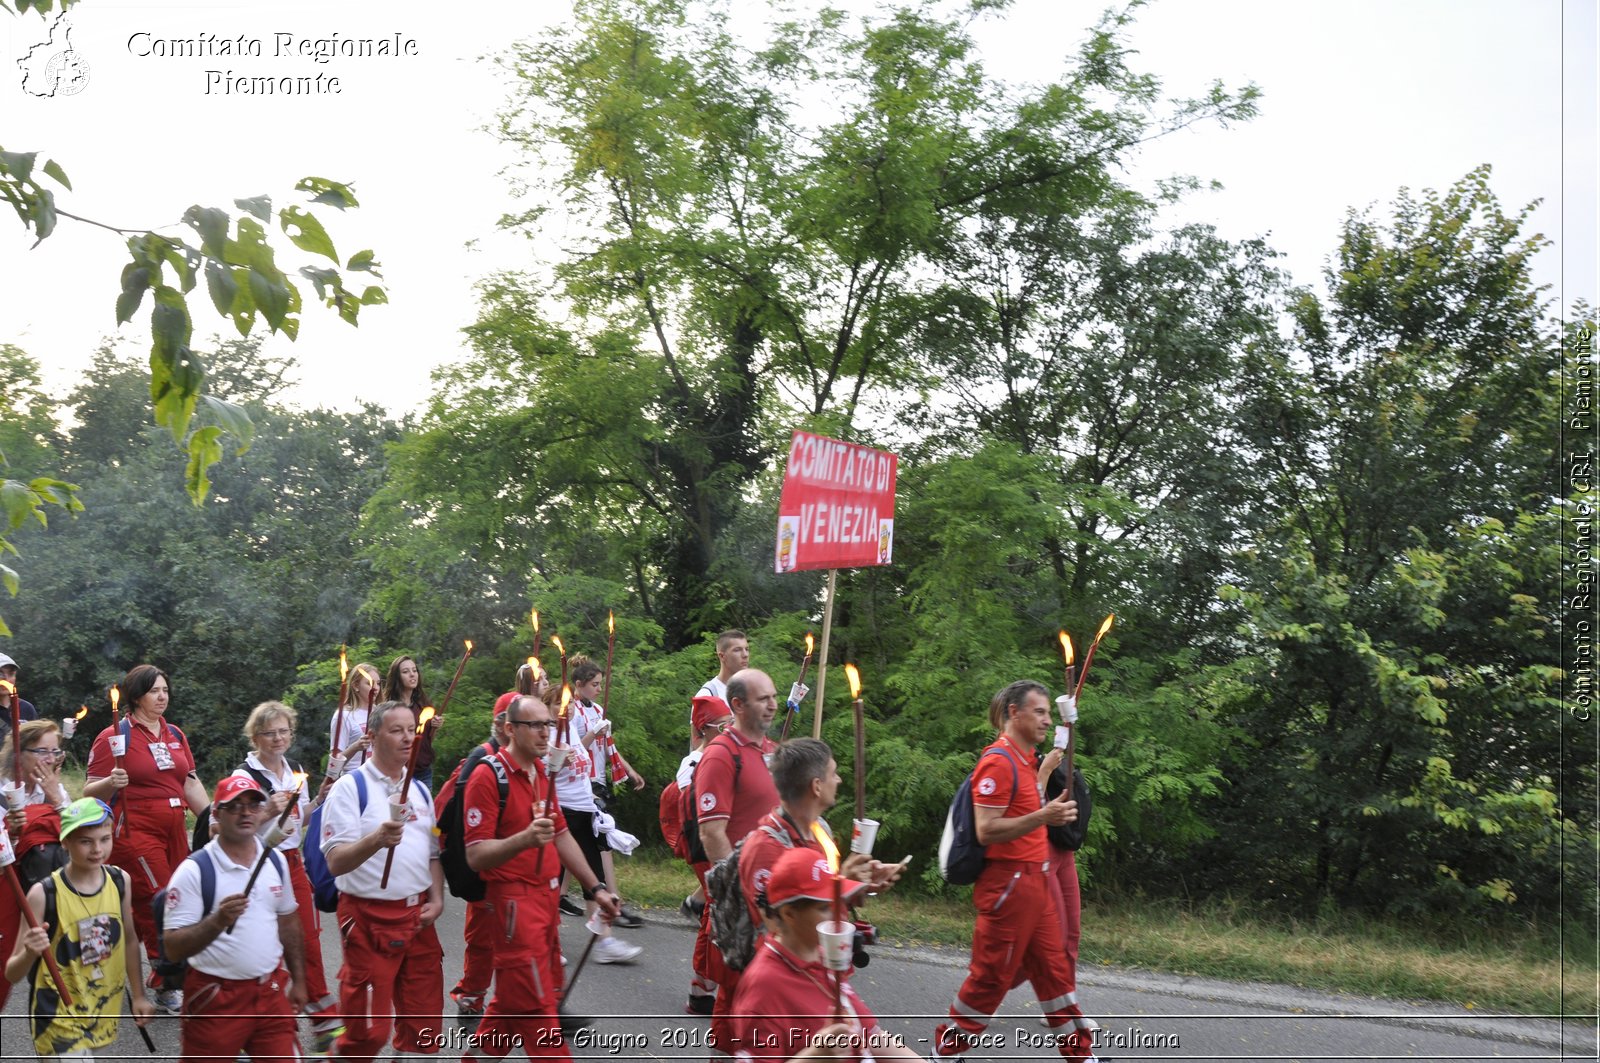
(691, 907)
(699, 1005)
(570, 907)
(628, 919)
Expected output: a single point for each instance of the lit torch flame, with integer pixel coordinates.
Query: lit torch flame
(1066, 647)
(560, 647)
(566, 699)
(344, 666)
(8, 687)
(469, 644)
(534, 614)
(1105, 625)
(536, 668)
(116, 696)
(611, 622)
(424, 717)
(854, 676)
(809, 643)
(83, 710)
(299, 780)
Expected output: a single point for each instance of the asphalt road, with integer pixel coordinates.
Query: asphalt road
(1143, 1016)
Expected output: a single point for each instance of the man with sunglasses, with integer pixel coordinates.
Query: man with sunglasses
(510, 846)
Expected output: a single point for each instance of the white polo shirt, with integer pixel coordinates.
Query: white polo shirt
(343, 822)
(253, 948)
(284, 782)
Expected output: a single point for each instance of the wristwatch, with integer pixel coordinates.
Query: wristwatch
(588, 892)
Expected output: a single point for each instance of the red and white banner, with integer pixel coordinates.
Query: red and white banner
(837, 508)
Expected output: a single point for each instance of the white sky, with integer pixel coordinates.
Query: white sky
(1361, 97)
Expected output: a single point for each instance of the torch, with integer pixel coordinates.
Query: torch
(276, 835)
(405, 787)
(563, 648)
(865, 831)
(16, 730)
(8, 859)
(118, 744)
(344, 690)
(451, 689)
(795, 692)
(69, 726)
(1069, 712)
(535, 615)
(839, 923)
(611, 649)
(563, 730)
(1105, 625)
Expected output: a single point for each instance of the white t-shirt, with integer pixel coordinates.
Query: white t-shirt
(292, 827)
(343, 822)
(686, 768)
(572, 781)
(713, 688)
(351, 726)
(253, 948)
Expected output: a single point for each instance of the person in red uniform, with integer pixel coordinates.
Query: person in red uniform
(477, 967)
(1018, 924)
(393, 973)
(512, 849)
(785, 1004)
(147, 793)
(807, 779)
(733, 790)
(247, 974)
(711, 717)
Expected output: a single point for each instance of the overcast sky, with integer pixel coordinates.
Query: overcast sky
(1361, 97)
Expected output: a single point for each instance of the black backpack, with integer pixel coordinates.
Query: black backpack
(691, 801)
(459, 878)
(961, 858)
(1069, 835)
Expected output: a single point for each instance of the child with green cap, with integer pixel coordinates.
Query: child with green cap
(85, 915)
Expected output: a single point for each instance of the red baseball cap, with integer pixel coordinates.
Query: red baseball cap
(803, 874)
(503, 702)
(232, 786)
(707, 711)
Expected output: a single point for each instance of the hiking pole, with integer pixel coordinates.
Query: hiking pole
(151, 1045)
(593, 927)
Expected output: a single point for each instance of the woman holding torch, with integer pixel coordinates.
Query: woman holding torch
(148, 784)
(347, 732)
(270, 729)
(34, 823)
(404, 684)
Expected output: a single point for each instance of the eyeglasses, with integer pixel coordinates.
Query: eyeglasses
(281, 732)
(545, 725)
(47, 752)
(240, 804)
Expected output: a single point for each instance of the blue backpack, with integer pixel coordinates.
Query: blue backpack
(169, 970)
(324, 891)
(961, 858)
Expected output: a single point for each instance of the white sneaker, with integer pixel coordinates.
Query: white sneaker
(610, 950)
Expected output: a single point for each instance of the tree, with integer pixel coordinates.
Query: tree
(755, 259)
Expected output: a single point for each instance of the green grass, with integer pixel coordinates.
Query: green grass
(1480, 970)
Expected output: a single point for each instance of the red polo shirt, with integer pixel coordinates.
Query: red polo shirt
(782, 1001)
(483, 821)
(741, 797)
(147, 780)
(996, 785)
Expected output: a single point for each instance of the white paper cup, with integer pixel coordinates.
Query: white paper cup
(838, 942)
(15, 796)
(1062, 734)
(69, 726)
(119, 746)
(335, 767)
(863, 835)
(555, 759)
(275, 836)
(397, 811)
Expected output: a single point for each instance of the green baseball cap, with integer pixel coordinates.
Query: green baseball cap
(84, 812)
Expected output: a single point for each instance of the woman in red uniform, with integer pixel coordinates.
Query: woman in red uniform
(148, 793)
(35, 828)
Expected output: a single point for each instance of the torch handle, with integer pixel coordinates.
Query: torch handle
(861, 759)
(451, 689)
(33, 921)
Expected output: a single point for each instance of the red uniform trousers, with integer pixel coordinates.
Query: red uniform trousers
(320, 1004)
(527, 974)
(223, 1017)
(149, 842)
(1018, 928)
(702, 983)
(478, 968)
(392, 978)
(1063, 882)
(724, 1037)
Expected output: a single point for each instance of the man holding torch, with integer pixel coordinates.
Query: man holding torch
(510, 844)
(246, 953)
(393, 973)
(1018, 926)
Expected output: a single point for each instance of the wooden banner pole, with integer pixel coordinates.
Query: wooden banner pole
(822, 659)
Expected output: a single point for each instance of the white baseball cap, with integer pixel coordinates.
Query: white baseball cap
(6, 662)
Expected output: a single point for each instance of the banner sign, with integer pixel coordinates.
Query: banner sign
(837, 508)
